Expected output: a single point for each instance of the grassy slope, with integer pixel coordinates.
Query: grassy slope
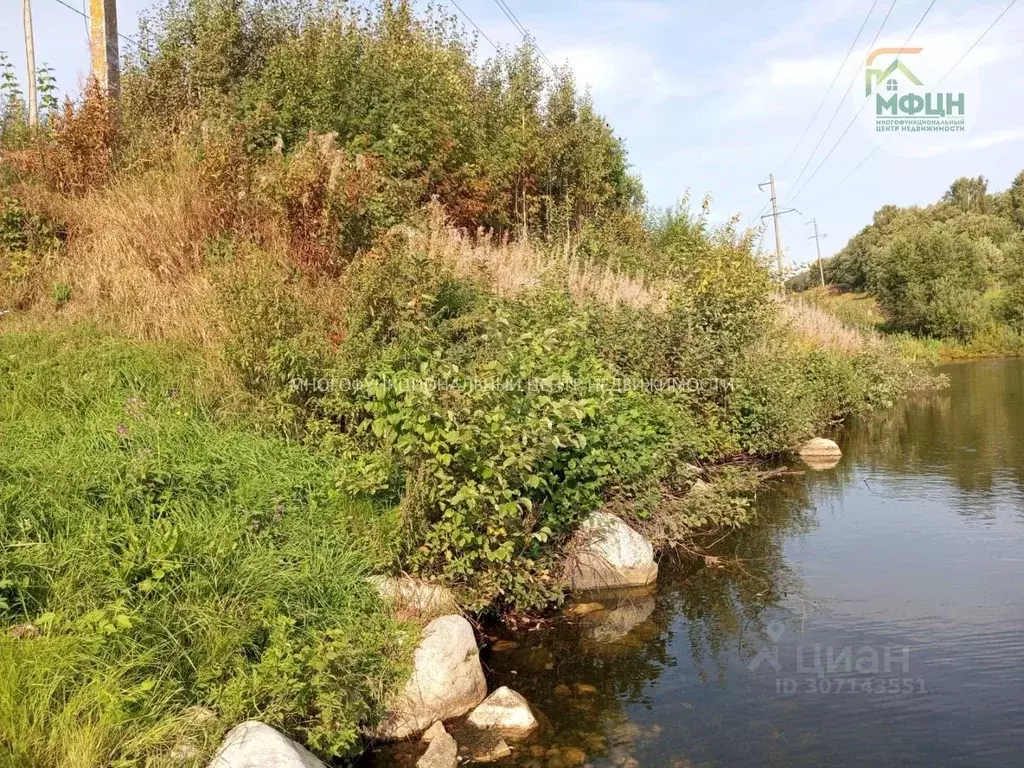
(174, 560)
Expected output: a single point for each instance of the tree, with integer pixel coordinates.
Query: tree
(969, 195)
(1015, 200)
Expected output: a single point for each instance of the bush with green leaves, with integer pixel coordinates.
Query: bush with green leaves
(502, 145)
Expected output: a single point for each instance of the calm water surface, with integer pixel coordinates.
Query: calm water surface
(878, 619)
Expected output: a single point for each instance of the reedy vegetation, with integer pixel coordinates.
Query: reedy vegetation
(413, 287)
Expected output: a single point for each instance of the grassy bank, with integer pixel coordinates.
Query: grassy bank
(861, 310)
(158, 557)
(257, 347)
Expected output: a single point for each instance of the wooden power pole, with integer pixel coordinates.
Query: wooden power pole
(817, 244)
(103, 42)
(30, 59)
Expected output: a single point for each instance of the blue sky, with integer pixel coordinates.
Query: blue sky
(711, 97)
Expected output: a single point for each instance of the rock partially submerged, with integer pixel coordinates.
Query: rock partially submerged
(505, 712)
(443, 751)
(433, 732)
(820, 450)
(447, 680)
(256, 745)
(606, 553)
(415, 599)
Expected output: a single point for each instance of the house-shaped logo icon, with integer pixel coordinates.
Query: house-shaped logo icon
(876, 77)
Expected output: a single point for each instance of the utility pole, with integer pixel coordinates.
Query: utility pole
(106, 67)
(30, 58)
(817, 243)
(775, 220)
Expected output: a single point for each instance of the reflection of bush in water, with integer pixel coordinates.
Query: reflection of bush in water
(581, 672)
(725, 607)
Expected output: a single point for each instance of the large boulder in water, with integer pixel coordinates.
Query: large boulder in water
(820, 453)
(447, 680)
(256, 745)
(506, 712)
(607, 553)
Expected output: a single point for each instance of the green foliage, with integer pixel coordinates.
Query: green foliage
(164, 560)
(969, 195)
(501, 145)
(26, 240)
(935, 271)
(13, 110)
(930, 281)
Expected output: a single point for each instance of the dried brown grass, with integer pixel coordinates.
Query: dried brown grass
(510, 267)
(134, 252)
(819, 328)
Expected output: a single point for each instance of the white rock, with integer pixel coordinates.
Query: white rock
(255, 745)
(415, 599)
(507, 712)
(443, 752)
(820, 448)
(447, 680)
(605, 553)
(701, 488)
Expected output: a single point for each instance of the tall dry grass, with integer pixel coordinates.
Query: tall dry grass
(819, 328)
(511, 267)
(134, 252)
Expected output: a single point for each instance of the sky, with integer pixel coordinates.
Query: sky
(711, 97)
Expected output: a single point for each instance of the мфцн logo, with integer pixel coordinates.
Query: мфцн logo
(901, 102)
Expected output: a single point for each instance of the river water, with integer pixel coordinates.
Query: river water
(876, 617)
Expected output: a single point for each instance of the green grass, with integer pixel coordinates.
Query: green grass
(166, 558)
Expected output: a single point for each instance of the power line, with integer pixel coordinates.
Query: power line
(975, 43)
(511, 16)
(86, 17)
(475, 26)
(864, 104)
(831, 85)
(871, 154)
(85, 21)
(839, 106)
(856, 168)
(842, 100)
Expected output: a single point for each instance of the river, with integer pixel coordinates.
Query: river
(876, 617)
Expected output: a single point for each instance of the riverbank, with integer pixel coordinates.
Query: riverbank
(909, 547)
(204, 472)
(169, 547)
(257, 349)
(861, 310)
